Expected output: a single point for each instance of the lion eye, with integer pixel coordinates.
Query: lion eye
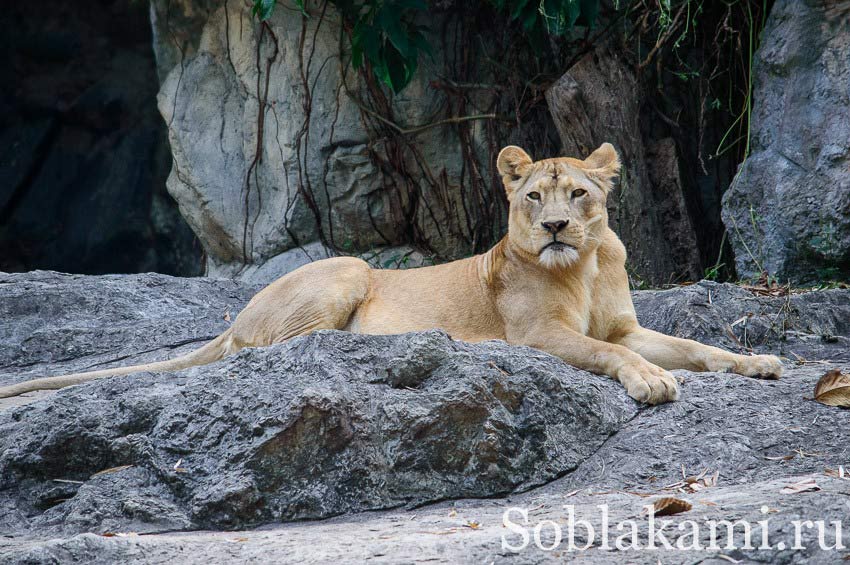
(533, 196)
(579, 192)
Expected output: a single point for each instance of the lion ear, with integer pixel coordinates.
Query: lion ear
(603, 164)
(511, 163)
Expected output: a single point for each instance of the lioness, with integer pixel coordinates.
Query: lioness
(556, 282)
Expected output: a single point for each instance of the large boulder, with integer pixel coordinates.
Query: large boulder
(788, 210)
(275, 145)
(335, 423)
(322, 425)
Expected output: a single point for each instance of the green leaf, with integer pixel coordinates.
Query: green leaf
(263, 8)
(530, 17)
(410, 4)
(371, 42)
(396, 67)
(589, 12)
(381, 71)
(518, 9)
(392, 26)
(573, 12)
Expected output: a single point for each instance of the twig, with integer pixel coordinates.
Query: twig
(417, 129)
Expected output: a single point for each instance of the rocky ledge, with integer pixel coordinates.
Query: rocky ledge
(436, 438)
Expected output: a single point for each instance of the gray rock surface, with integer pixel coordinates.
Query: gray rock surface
(324, 425)
(337, 423)
(788, 211)
(313, 171)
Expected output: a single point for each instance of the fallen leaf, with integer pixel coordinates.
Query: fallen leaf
(452, 513)
(839, 473)
(472, 524)
(833, 389)
(668, 506)
(237, 540)
(227, 316)
(112, 470)
(178, 468)
(806, 485)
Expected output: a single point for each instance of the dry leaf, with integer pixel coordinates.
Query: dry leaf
(227, 316)
(806, 485)
(112, 470)
(833, 389)
(839, 473)
(178, 468)
(472, 524)
(668, 506)
(782, 458)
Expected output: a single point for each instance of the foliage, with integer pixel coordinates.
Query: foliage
(385, 36)
(540, 18)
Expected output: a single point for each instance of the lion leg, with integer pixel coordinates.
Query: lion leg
(643, 380)
(676, 353)
(318, 296)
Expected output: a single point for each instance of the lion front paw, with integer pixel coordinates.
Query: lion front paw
(758, 366)
(648, 383)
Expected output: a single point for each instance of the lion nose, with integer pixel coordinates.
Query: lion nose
(556, 226)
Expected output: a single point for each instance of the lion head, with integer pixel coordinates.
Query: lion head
(557, 206)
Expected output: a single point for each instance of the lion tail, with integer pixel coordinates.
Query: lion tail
(209, 353)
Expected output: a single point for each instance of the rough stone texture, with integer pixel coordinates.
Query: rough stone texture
(323, 425)
(810, 325)
(599, 100)
(314, 175)
(378, 422)
(395, 257)
(54, 323)
(85, 152)
(788, 211)
(177, 27)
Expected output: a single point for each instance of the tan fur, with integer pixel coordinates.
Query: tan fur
(565, 293)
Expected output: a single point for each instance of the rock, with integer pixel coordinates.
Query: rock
(396, 257)
(599, 100)
(315, 173)
(53, 323)
(788, 211)
(326, 424)
(808, 325)
(82, 180)
(336, 423)
(177, 27)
